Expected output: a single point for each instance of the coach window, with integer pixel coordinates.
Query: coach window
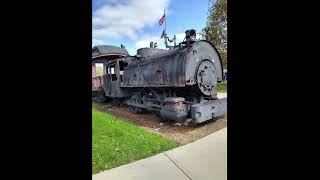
(99, 69)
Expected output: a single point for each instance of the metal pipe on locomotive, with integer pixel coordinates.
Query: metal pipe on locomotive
(176, 84)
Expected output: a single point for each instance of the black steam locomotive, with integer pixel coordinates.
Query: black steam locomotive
(175, 84)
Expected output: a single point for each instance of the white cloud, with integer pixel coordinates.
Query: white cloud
(145, 42)
(96, 42)
(180, 37)
(126, 18)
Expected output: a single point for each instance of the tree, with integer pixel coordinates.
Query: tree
(216, 27)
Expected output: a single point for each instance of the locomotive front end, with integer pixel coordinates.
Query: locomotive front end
(203, 68)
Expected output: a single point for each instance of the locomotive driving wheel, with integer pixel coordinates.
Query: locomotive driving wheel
(101, 97)
(137, 100)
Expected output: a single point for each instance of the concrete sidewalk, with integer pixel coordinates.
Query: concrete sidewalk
(222, 95)
(203, 159)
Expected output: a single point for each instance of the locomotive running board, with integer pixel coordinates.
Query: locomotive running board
(205, 111)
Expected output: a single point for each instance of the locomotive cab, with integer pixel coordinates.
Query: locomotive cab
(113, 78)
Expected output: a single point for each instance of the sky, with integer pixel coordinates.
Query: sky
(134, 23)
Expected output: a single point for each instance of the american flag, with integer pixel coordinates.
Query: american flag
(162, 20)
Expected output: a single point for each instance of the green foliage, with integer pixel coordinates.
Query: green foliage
(116, 142)
(216, 28)
(99, 71)
(222, 87)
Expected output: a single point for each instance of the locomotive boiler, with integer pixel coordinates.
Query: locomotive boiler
(176, 84)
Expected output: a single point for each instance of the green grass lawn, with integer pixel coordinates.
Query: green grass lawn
(116, 142)
(222, 87)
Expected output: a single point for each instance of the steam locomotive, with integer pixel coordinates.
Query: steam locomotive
(175, 84)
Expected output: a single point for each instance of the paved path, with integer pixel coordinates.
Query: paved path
(204, 159)
(221, 95)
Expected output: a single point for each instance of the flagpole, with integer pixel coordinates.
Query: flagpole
(164, 33)
(165, 21)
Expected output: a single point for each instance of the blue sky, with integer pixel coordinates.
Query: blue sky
(134, 23)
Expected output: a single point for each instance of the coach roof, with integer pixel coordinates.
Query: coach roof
(103, 50)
